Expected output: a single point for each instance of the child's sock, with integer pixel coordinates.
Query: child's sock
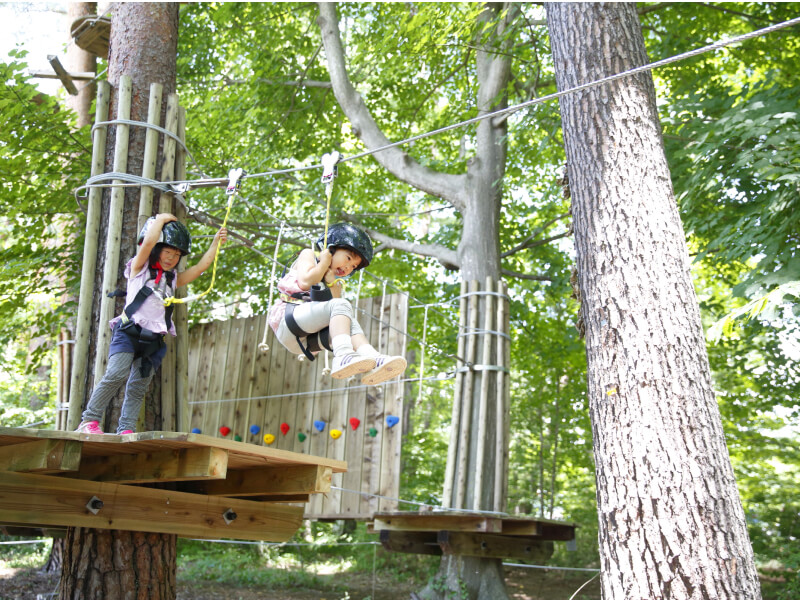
(367, 350)
(342, 344)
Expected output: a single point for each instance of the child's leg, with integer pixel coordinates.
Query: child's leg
(136, 389)
(119, 365)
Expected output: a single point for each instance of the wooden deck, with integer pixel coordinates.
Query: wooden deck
(470, 534)
(188, 484)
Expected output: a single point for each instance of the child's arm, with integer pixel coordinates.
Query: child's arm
(150, 240)
(309, 271)
(193, 272)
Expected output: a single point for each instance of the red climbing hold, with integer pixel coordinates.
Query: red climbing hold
(224, 430)
(354, 423)
(284, 428)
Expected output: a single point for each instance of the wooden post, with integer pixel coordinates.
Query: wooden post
(83, 321)
(150, 153)
(502, 414)
(114, 238)
(464, 439)
(455, 421)
(180, 315)
(168, 152)
(483, 400)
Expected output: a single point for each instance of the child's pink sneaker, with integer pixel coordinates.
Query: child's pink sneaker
(92, 427)
(126, 432)
(386, 367)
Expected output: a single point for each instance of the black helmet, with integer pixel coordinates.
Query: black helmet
(173, 234)
(344, 235)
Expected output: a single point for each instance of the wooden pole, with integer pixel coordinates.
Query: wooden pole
(181, 317)
(114, 238)
(150, 153)
(483, 400)
(465, 435)
(455, 421)
(501, 416)
(83, 321)
(168, 152)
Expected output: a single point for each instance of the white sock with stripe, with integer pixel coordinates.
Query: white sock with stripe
(342, 344)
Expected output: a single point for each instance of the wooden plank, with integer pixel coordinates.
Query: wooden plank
(207, 341)
(268, 481)
(434, 522)
(375, 417)
(227, 407)
(46, 500)
(393, 404)
(278, 358)
(522, 527)
(171, 465)
(410, 542)
(41, 456)
(489, 545)
(192, 391)
(221, 331)
(247, 375)
(257, 406)
(337, 411)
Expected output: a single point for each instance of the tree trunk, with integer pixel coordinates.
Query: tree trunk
(671, 521)
(111, 563)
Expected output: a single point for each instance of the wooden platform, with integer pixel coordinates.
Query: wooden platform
(188, 484)
(92, 34)
(470, 534)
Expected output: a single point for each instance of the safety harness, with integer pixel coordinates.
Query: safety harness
(146, 342)
(317, 340)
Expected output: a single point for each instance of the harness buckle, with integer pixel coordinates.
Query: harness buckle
(234, 181)
(329, 168)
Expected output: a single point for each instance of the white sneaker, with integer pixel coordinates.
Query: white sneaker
(386, 367)
(350, 364)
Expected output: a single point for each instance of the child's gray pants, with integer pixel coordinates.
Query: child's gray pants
(314, 316)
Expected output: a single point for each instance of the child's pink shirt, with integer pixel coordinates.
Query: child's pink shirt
(288, 284)
(151, 314)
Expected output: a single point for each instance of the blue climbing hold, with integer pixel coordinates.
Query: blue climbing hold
(319, 425)
(196, 430)
(254, 429)
(391, 421)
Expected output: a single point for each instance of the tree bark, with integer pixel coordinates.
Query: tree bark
(111, 563)
(671, 521)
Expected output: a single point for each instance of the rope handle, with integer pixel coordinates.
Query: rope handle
(263, 347)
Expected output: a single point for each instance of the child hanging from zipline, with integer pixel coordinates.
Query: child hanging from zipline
(137, 344)
(311, 316)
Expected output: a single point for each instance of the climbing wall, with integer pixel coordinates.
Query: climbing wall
(237, 392)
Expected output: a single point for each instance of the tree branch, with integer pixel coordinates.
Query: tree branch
(528, 241)
(396, 161)
(507, 273)
(448, 258)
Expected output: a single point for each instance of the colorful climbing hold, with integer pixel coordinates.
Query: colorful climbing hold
(391, 421)
(268, 438)
(237, 438)
(319, 425)
(255, 429)
(224, 430)
(301, 436)
(336, 434)
(373, 432)
(196, 430)
(284, 428)
(354, 423)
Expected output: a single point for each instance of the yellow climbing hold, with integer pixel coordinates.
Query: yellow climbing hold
(268, 438)
(336, 434)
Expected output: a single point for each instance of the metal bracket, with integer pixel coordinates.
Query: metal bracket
(329, 168)
(94, 505)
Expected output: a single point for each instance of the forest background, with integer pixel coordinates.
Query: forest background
(255, 84)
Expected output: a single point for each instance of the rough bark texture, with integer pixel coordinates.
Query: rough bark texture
(103, 564)
(110, 563)
(671, 521)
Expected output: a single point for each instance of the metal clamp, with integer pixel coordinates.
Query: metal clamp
(94, 505)
(234, 181)
(229, 516)
(329, 168)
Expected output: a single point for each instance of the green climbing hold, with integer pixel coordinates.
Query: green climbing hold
(301, 436)
(237, 438)
(373, 432)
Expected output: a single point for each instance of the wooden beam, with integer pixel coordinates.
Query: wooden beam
(410, 542)
(522, 527)
(489, 545)
(41, 456)
(62, 74)
(42, 500)
(80, 76)
(436, 522)
(171, 465)
(267, 481)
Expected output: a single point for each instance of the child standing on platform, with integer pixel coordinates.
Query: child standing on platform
(312, 314)
(137, 344)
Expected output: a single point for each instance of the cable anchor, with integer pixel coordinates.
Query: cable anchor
(329, 168)
(234, 181)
